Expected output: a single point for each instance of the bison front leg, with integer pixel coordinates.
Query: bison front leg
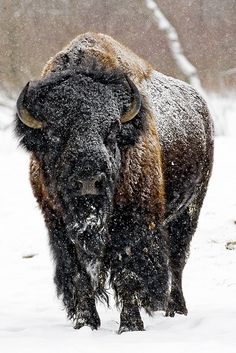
(87, 315)
(86, 312)
(77, 294)
(72, 282)
(130, 319)
(74, 286)
(139, 267)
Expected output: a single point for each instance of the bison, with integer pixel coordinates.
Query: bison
(121, 157)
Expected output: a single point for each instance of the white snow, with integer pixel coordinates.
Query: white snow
(32, 318)
(223, 109)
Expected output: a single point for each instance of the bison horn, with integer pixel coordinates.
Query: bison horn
(136, 103)
(23, 113)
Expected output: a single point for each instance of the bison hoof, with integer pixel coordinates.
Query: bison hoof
(79, 325)
(171, 313)
(176, 308)
(92, 322)
(137, 326)
(176, 304)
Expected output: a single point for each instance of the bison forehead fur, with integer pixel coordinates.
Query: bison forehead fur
(121, 156)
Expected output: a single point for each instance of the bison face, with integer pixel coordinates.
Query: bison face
(73, 123)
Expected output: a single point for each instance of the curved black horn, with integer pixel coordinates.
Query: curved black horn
(135, 105)
(23, 113)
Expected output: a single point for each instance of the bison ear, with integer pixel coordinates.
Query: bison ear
(136, 102)
(23, 113)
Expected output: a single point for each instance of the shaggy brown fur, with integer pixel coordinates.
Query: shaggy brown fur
(142, 179)
(106, 51)
(151, 177)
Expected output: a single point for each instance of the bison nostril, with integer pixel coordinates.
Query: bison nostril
(100, 181)
(75, 184)
(93, 185)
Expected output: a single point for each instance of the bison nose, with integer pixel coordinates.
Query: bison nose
(93, 186)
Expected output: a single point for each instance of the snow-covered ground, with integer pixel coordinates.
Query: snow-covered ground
(32, 318)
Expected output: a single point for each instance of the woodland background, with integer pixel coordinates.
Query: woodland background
(31, 316)
(31, 31)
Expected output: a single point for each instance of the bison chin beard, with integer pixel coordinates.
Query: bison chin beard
(86, 224)
(87, 229)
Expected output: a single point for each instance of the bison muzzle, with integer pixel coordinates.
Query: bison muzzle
(121, 156)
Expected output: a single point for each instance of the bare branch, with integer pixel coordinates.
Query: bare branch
(186, 67)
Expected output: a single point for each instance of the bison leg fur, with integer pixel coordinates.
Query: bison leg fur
(86, 314)
(181, 231)
(73, 284)
(130, 318)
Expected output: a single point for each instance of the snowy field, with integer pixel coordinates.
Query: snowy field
(32, 318)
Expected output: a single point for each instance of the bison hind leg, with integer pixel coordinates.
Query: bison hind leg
(181, 231)
(176, 304)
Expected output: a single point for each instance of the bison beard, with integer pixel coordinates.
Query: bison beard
(119, 170)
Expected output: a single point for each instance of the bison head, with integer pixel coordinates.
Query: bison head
(77, 124)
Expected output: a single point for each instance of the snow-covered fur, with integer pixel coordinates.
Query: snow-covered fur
(151, 176)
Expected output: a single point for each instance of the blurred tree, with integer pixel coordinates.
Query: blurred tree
(187, 68)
